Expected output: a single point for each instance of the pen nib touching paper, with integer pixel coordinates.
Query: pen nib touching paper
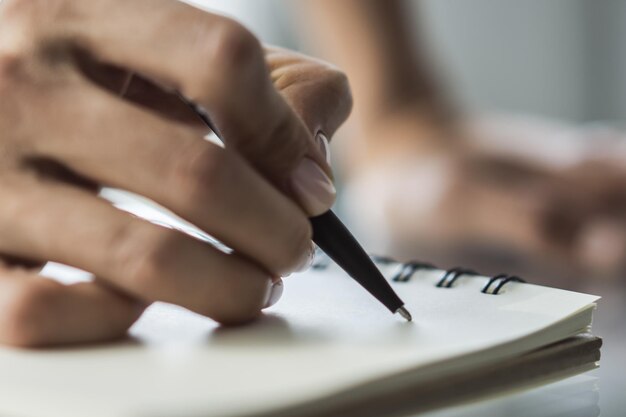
(405, 313)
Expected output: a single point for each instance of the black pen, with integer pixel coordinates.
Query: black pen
(334, 238)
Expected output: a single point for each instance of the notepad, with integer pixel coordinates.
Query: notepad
(327, 348)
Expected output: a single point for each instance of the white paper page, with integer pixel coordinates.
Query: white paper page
(325, 334)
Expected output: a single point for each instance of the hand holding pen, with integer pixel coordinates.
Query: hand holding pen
(74, 119)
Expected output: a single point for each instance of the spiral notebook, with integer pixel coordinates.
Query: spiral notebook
(327, 348)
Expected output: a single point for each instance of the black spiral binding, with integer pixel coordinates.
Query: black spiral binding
(502, 280)
(452, 275)
(408, 269)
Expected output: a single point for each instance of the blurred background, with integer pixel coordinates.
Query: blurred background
(485, 133)
(563, 58)
(528, 92)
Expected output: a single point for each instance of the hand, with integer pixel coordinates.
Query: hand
(88, 98)
(551, 208)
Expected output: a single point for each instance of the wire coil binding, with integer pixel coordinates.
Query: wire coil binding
(407, 270)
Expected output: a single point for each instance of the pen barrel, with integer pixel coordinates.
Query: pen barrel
(337, 242)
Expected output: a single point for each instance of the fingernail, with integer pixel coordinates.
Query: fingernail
(313, 187)
(275, 292)
(323, 145)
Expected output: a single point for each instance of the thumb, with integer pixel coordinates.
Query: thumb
(306, 101)
(320, 97)
(316, 91)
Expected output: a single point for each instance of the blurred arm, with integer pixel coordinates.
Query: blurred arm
(374, 43)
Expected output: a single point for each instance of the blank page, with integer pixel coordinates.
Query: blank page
(325, 335)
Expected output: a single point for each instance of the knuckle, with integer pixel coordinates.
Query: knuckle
(145, 270)
(24, 313)
(314, 86)
(339, 83)
(199, 174)
(335, 85)
(230, 50)
(143, 255)
(336, 79)
(234, 46)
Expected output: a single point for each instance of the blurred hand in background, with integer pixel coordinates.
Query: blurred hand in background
(426, 180)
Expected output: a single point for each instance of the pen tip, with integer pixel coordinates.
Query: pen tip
(404, 313)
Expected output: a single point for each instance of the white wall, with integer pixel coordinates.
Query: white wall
(559, 58)
(606, 63)
(512, 54)
(269, 19)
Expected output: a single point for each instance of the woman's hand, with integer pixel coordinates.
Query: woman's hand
(545, 201)
(88, 98)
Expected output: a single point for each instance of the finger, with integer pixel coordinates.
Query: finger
(36, 311)
(221, 67)
(150, 263)
(211, 187)
(317, 92)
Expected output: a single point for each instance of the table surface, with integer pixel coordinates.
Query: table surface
(599, 392)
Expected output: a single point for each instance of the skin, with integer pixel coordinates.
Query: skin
(89, 99)
(407, 138)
